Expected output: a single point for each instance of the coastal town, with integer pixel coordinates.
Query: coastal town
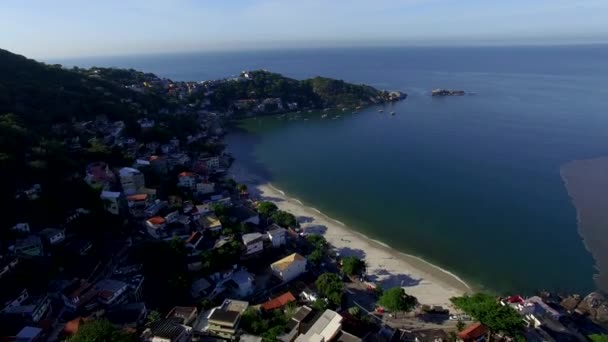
(160, 235)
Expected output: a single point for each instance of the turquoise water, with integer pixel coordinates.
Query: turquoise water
(470, 183)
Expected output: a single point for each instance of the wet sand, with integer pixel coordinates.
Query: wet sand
(587, 185)
(386, 266)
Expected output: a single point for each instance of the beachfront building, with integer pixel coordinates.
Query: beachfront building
(132, 180)
(325, 328)
(289, 267)
(254, 243)
(277, 235)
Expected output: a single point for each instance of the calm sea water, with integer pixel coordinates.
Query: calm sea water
(470, 183)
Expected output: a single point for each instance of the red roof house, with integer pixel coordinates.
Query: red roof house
(278, 302)
(474, 332)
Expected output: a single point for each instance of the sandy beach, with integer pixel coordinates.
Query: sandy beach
(386, 266)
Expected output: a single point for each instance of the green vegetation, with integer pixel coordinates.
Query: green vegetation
(319, 245)
(598, 338)
(486, 309)
(241, 188)
(354, 311)
(395, 299)
(100, 331)
(330, 285)
(153, 316)
(353, 266)
(316, 93)
(320, 305)
(266, 209)
(269, 328)
(284, 219)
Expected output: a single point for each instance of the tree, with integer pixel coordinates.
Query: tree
(331, 286)
(315, 257)
(317, 241)
(353, 266)
(486, 309)
(100, 330)
(153, 316)
(319, 304)
(460, 325)
(219, 209)
(285, 219)
(266, 209)
(598, 338)
(395, 299)
(354, 311)
(241, 188)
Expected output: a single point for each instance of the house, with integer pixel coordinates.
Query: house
(475, 332)
(21, 228)
(278, 302)
(30, 334)
(296, 324)
(130, 315)
(325, 328)
(166, 330)
(138, 201)
(289, 267)
(32, 309)
(131, 180)
(277, 235)
(155, 208)
(245, 215)
(224, 320)
(183, 315)
(53, 236)
(29, 246)
(254, 243)
(203, 188)
(212, 163)
(187, 180)
(155, 226)
(77, 294)
(210, 222)
(99, 176)
(8, 303)
(112, 201)
(194, 240)
(111, 291)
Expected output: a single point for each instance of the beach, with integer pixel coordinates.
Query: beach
(385, 266)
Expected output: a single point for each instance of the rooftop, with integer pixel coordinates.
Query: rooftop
(110, 194)
(157, 220)
(224, 316)
(166, 328)
(251, 237)
(235, 305)
(473, 331)
(325, 327)
(128, 171)
(284, 263)
(279, 301)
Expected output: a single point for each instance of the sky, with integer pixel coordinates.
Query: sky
(73, 28)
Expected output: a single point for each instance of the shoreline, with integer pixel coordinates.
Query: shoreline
(387, 267)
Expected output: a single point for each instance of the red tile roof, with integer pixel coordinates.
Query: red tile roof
(186, 174)
(157, 220)
(515, 299)
(138, 197)
(71, 327)
(473, 332)
(279, 301)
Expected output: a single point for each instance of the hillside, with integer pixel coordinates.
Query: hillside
(43, 94)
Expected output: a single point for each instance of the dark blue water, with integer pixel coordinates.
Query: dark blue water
(471, 183)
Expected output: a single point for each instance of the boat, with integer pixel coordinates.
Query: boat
(380, 110)
(393, 113)
(323, 116)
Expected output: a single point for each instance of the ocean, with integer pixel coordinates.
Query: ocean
(469, 183)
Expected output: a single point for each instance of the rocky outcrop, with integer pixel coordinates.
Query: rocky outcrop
(595, 305)
(447, 92)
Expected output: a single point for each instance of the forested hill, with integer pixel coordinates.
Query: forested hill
(43, 94)
(314, 93)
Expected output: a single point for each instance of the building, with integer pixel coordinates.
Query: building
(112, 201)
(110, 292)
(30, 334)
(289, 267)
(31, 309)
(132, 180)
(21, 228)
(240, 283)
(212, 163)
(277, 235)
(254, 243)
(53, 236)
(204, 188)
(210, 222)
(224, 320)
(325, 328)
(167, 330)
(278, 302)
(183, 315)
(295, 325)
(77, 294)
(475, 332)
(29, 246)
(187, 180)
(245, 215)
(155, 226)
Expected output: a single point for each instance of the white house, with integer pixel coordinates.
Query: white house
(254, 243)
(187, 180)
(289, 267)
(210, 222)
(325, 328)
(204, 188)
(132, 180)
(277, 235)
(21, 228)
(112, 201)
(53, 236)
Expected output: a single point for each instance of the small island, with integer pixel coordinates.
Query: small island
(447, 92)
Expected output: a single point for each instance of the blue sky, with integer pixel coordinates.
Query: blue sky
(63, 28)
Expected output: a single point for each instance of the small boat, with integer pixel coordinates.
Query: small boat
(344, 109)
(310, 110)
(380, 110)
(393, 113)
(358, 107)
(323, 116)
